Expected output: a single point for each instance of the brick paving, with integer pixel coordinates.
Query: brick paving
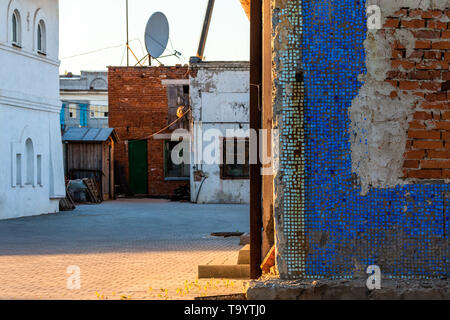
(124, 250)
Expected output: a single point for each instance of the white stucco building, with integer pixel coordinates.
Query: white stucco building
(220, 100)
(31, 162)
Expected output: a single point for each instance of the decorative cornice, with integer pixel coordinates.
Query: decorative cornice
(31, 55)
(20, 100)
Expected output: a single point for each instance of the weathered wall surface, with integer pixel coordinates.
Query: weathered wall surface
(138, 108)
(220, 97)
(340, 203)
(31, 162)
(401, 108)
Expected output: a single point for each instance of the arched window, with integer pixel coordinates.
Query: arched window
(16, 29)
(41, 38)
(30, 161)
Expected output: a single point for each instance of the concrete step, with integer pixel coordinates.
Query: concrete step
(244, 255)
(224, 271)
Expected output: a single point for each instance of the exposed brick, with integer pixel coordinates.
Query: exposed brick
(435, 164)
(439, 25)
(398, 54)
(446, 115)
(401, 13)
(416, 23)
(433, 154)
(443, 125)
(431, 86)
(429, 14)
(138, 107)
(425, 174)
(416, 54)
(440, 96)
(446, 136)
(424, 134)
(421, 144)
(432, 55)
(446, 34)
(392, 23)
(435, 106)
(417, 125)
(398, 45)
(447, 56)
(427, 34)
(441, 45)
(424, 75)
(421, 115)
(408, 85)
(411, 164)
(423, 44)
(416, 154)
(396, 74)
(415, 12)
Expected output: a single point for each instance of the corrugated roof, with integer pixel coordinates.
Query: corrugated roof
(89, 134)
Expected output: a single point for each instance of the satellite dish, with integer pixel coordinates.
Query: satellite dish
(157, 34)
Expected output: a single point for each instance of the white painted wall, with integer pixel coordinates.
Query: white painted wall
(220, 99)
(29, 109)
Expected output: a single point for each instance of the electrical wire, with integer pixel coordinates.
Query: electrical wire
(165, 128)
(98, 50)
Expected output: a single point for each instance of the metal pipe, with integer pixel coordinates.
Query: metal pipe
(255, 124)
(128, 42)
(206, 23)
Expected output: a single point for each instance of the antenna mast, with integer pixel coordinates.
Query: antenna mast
(128, 42)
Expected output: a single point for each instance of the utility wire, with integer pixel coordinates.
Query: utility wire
(98, 50)
(165, 128)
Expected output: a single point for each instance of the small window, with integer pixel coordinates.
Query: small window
(30, 162)
(18, 169)
(39, 169)
(171, 170)
(16, 29)
(41, 38)
(99, 112)
(235, 158)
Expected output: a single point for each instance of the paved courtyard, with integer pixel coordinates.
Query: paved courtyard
(137, 249)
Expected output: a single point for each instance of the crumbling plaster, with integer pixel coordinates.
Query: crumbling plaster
(379, 124)
(219, 94)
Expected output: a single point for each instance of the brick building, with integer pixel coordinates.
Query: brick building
(142, 101)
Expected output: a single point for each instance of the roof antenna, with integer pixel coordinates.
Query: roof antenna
(204, 36)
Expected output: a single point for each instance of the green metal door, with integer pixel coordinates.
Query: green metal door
(138, 166)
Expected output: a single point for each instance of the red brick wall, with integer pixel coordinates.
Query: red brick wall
(138, 108)
(424, 73)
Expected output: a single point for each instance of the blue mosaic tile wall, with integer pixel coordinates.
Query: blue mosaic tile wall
(403, 230)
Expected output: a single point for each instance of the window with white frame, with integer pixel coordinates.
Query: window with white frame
(41, 38)
(16, 29)
(99, 112)
(73, 110)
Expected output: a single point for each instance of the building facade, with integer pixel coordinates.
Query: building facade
(84, 100)
(144, 101)
(220, 98)
(31, 164)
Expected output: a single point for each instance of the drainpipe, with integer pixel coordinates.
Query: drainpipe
(255, 124)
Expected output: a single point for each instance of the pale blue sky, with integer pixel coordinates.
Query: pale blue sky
(89, 25)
